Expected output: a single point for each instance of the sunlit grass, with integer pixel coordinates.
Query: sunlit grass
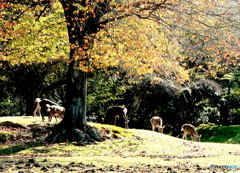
(25, 120)
(219, 133)
(133, 147)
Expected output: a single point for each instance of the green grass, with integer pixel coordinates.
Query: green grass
(219, 134)
(134, 147)
(25, 120)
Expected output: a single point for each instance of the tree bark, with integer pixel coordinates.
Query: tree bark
(74, 127)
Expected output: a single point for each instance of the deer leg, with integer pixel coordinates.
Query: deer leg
(39, 113)
(50, 118)
(184, 136)
(153, 128)
(42, 115)
(56, 118)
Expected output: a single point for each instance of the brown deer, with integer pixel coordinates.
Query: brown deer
(191, 130)
(157, 122)
(40, 107)
(55, 111)
(116, 115)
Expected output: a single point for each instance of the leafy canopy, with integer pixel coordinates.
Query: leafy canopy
(143, 38)
(30, 39)
(138, 47)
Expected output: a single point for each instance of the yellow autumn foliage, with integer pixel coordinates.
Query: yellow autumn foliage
(139, 47)
(38, 41)
(145, 43)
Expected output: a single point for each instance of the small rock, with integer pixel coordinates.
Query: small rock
(72, 163)
(44, 168)
(37, 165)
(57, 165)
(28, 164)
(66, 167)
(2, 166)
(19, 167)
(31, 161)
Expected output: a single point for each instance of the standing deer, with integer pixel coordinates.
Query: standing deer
(40, 107)
(191, 130)
(157, 122)
(116, 115)
(55, 111)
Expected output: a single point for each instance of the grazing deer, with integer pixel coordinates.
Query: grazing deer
(157, 122)
(116, 115)
(191, 130)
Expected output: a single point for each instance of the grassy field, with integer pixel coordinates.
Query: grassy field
(220, 134)
(133, 147)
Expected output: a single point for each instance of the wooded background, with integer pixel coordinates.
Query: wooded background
(177, 60)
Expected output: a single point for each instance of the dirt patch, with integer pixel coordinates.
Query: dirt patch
(13, 132)
(32, 166)
(10, 124)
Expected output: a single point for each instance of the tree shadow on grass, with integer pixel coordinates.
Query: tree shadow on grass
(27, 137)
(20, 146)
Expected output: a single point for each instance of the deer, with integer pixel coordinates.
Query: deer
(40, 107)
(55, 111)
(116, 115)
(191, 130)
(157, 122)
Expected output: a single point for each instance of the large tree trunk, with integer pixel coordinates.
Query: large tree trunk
(74, 127)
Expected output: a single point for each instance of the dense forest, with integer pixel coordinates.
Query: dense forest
(158, 59)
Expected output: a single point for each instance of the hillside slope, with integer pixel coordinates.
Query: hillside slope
(133, 150)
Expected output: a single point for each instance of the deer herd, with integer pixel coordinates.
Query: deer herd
(157, 122)
(116, 115)
(48, 108)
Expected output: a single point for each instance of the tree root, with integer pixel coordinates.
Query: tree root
(59, 134)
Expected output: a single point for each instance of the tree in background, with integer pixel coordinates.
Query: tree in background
(26, 82)
(145, 99)
(86, 21)
(105, 90)
(33, 46)
(229, 104)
